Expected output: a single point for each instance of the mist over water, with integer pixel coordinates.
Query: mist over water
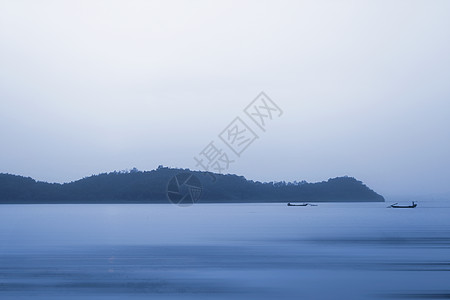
(222, 251)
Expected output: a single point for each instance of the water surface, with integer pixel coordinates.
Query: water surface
(222, 251)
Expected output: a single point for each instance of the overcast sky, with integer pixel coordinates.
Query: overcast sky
(96, 86)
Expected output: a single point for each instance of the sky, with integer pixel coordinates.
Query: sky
(95, 86)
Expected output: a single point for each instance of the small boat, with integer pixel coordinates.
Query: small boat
(303, 204)
(403, 206)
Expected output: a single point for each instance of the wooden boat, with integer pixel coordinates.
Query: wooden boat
(403, 206)
(303, 204)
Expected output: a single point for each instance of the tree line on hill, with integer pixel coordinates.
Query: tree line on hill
(151, 187)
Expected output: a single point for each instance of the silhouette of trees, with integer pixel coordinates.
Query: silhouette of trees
(135, 186)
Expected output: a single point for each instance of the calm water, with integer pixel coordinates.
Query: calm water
(222, 251)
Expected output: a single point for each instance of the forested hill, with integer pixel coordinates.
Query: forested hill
(151, 187)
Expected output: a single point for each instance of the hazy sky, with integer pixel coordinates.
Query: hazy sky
(95, 86)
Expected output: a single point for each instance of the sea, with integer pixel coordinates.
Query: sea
(225, 251)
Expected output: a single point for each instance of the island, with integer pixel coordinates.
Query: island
(155, 186)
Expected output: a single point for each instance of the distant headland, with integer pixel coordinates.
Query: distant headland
(152, 187)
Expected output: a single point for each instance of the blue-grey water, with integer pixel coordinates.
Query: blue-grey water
(225, 251)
